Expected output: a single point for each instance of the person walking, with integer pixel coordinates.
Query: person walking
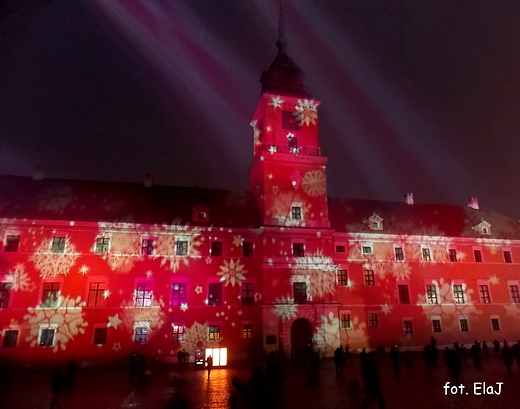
(338, 360)
(209, 365)
(508, 359)
(394, 354)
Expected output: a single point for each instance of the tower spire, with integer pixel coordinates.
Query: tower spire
(281, 43)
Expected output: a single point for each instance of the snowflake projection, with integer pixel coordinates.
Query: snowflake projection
(282, 202)
(257, 135)
(66, 318)
(386, 309)
(321, 272)
(285, 308)
(237, 241)
(276, 102)
(106, 294)
(55, 199)
(125, 245)
(327, 333)
(513, 311)
(53, 264)
(494, 279)
(154, 314)
(355, 337)
(314, 183)
(232, 273)
(196, 337)
(166, 249)
(401, 271)
(84, 269)
(306, 112)
(447, 309)
(20, 279)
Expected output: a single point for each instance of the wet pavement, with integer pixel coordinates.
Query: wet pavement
(110, 388)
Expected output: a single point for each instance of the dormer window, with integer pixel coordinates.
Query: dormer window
(374, 222)
(200, 214)
(483, 228)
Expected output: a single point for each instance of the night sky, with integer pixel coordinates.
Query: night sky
(419, 97)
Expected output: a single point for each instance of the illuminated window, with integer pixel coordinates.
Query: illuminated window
(342, 277)
(141, 331)
(369, 278)
(296, 213)
(102, 244)
(143, 294)
(431, 294)
(10, 338)
(453, 255)
(46, 335)
(366, 249)
(345, 321)
(100, 336)
(58, 245)
(50, 294)
(298, 250)
(179, 292)
(340, 249)
(181, 248)
(426, 254)
(215, 294)
(407, 327)
(478, 256)
(96, 293)
(463, 323)
(436, 325)
(247, 331)
(404, 295)
(214, 332)
(247, 294)
(507, 256)
(373, 320)
(458, 294)
(495, 323)
(484, 294)
(515, 295)
(5, 294)
(300, 292)
(147, 246)
(399, 254)
(178, 333)
(216, 249)
(11, 243)
(247, 249)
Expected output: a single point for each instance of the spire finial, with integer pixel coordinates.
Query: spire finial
(281, 43)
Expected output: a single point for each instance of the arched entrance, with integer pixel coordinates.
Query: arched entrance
(301, 338)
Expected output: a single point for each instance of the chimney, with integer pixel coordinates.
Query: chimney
(38, 174)
(408, 198)
(473, 203)
(148, 181)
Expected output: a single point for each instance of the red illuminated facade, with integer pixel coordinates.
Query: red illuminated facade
(96, 271)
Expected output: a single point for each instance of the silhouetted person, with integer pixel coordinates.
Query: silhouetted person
(485, 349)
(456, 363)
(508, 359)
(371, 382)
(338, 359)
(58, 385)
(433, 342)
(209, 365)
(347, 355)
(133, 369)
(428, 358)
(363, 354)
(476, 354)
(496, 346)
(506, 344)
(515, 350)
(394, 354)
(72, 369)
(464, 354)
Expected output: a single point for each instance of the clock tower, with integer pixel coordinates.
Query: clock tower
(288, 175)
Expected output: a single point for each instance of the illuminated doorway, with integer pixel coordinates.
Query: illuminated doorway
(219, 356)
(301, 338)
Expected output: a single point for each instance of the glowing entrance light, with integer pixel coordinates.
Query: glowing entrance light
(219, 356)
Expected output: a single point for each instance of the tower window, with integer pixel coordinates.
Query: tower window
(11, 243)
(296, 213)
(216, 249)
(298, 250)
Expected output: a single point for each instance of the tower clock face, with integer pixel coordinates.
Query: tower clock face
(290, 121)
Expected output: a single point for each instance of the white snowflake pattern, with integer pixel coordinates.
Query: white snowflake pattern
(196, 337)
(386, 309)
(494, 279)
(276, 102)
(314, 183)
(66, 318)
(306, 112)
(20, 279)
(53, 264)
(237, 241)
(84, 269)
(285, 308)
(232, 272)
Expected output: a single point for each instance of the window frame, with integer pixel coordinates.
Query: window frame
(141, 325)
(452, 255)
(370, 319)
(97, 327)
(399, 253)
(495, 318)
(7, 242)
(47, 326)
(484, 298)
(426, 254)
(462, 318)
(178, 332)
(250, 298)
(404, 297)
(102, 243)
(407, 325)
(298, 294)
(342, 279)
(246, 333)
(507, 259)
(214, 328)
(58, 244)
(436, 318)
(516, 284)
(345, 319)
(182, 248)
(148, 284)
(50, 280)
(369, 278)
(428, 294)
(477, 255)
(216, 248)
(215, 284)
(298, 253)
(5, 338)
(181, 300)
